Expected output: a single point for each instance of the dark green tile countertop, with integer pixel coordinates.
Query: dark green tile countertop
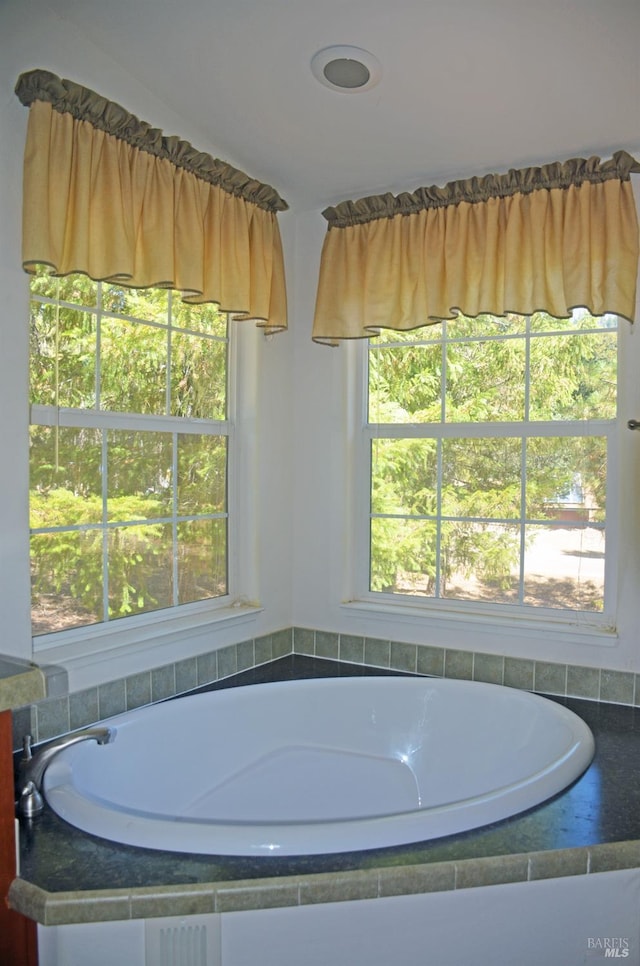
(593, 826)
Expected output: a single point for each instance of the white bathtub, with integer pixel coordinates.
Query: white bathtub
(321, 765)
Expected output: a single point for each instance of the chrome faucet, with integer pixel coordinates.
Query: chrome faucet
(31, 767)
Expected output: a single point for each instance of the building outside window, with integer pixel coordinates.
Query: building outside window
(488, 452)
(130, 452)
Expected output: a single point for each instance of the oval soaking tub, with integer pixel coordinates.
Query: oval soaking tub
(320, 765)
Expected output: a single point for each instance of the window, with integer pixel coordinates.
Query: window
(490, 446)
(129, 452)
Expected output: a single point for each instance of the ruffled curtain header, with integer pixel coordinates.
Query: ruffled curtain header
(555, 175)
(83, 104)
(107, 195)
(548, 238)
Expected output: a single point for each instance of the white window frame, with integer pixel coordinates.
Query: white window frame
(162, 629)
(574, 627)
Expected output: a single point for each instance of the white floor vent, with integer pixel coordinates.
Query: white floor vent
(188, 941)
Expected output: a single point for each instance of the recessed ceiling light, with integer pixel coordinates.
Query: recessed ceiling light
(346, 69)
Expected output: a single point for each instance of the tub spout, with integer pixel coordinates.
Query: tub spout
(31, 767)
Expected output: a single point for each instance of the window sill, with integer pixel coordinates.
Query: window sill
(129, 639)
(571, 629)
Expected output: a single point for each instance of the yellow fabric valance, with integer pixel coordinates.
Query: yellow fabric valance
(550, 238)
(109, 196)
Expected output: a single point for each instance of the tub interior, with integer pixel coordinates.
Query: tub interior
(319, 765)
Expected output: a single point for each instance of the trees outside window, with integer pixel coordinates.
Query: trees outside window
(489, 447)
(129, 455)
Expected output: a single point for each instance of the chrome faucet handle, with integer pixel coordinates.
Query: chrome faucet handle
(31, 801)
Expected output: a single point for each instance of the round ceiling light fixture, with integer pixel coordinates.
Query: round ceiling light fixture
(346, 69)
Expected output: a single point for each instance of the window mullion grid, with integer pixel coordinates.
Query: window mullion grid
(104, 464)
(174, 521)
(174, 454)
(525, 430)
(523, 460)
(230, 419)
(492, 430)
(439, 459)
(98, 372)
(167, 403)
(567, 429)
(105, 527)
(364, 523)
(103, 421)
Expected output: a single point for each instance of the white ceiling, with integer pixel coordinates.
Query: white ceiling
(468, 86)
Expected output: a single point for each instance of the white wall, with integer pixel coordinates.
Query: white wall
(29, 40)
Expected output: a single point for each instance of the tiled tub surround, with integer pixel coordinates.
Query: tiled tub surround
(594, 826)
(54, 716)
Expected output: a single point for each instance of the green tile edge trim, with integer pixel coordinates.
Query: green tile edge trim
(53, 909)
(546, 677)
(54, 716)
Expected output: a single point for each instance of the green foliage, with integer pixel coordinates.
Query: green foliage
(141, 352)
(69, 563)
(135, 359)
(472, 372)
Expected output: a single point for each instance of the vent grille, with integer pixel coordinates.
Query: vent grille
(190, 941)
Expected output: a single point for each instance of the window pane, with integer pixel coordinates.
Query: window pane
(404, 476)
(133, 361)
(543, 322)
(140, 569)
(483, 325)
(481, 478)
(580, 319)
(66, 580)
(65, 476)
(198, 318)
(574, 377)
(202, 559)
(403, 556)
(139, 475)
(62, 357)
(426, 333)
(564, 567)
(480, 561)
(77, 289)
(146, 304)
(405, 384)
(567, 478)
(202, 474)
(485, 381)
(198, 377)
